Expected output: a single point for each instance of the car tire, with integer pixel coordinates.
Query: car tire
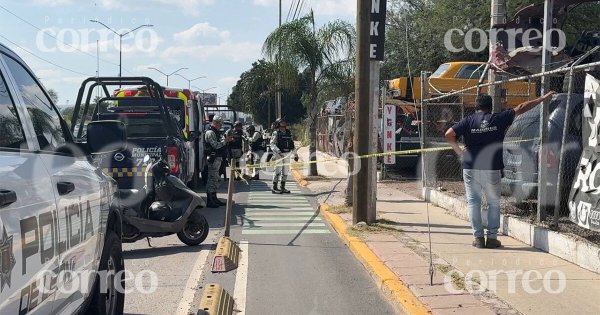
(195, 230)
(113, 300)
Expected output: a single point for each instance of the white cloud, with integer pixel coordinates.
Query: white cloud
(228, 49)
(203, 41)
(201, 30)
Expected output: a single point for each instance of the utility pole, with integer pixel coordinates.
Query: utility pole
(361, 181)
(374, 141)
(278, 109)
(543, 152)
(498, 20)
(370, 25)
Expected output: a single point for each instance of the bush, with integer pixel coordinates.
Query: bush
(300, 133)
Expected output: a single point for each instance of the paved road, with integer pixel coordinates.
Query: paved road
(292, 262)
(178, 269)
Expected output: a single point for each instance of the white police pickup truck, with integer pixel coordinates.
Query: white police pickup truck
(60, 246)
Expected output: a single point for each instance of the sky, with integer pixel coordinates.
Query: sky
(218, 39)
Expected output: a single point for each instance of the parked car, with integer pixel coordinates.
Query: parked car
(521, 158)
(47, 188)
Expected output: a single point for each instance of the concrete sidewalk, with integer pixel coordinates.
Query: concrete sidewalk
(514, 279)
(333, 168)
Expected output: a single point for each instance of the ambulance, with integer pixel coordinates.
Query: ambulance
(187, 111)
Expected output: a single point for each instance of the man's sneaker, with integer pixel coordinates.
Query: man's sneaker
(479, 242)
(493, 243)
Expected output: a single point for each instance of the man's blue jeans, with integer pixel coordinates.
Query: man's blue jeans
(477, 184)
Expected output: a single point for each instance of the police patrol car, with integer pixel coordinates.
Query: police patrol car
(60, 246)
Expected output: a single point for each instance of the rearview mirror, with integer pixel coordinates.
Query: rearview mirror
(106, 136)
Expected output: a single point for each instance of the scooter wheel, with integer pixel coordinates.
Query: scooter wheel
(195, 230)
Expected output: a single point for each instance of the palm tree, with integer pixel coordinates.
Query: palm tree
(325, 55)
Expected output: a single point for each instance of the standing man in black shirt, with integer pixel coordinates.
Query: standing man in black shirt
(483, 133)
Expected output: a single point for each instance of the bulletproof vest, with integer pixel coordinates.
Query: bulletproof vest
(259, 144)
(208, 149)
(237, 139)
(285, 143)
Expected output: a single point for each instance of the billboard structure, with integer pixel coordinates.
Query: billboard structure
(208, 98)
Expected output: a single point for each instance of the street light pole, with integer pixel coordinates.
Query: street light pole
(168, 75)
(279, 115)
(121, 35)
(190, 81)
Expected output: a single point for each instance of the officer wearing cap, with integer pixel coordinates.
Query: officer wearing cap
(282, 145)
(215, 147)
(236, 146)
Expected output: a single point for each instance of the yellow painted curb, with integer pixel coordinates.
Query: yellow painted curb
(387, 281)
(299, 178)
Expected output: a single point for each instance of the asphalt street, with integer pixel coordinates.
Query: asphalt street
(292, 262)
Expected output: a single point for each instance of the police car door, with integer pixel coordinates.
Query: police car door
(28, 252)
(78, 191)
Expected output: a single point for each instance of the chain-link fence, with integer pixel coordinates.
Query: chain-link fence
(521, 150)
(333, 127)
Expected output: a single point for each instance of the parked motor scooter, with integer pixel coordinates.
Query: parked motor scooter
(168, 206)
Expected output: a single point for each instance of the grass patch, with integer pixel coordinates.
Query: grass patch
(339, 209)
(314, 178)
(377, 227)
(457, 280)
(300, 132)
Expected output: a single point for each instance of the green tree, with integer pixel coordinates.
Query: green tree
(53, 95)
(255, 93)
(324, 55)
(416, 28)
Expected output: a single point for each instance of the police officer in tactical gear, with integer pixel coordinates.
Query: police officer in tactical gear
(258, 146)
(215, 148)
(282, 145)
(236, 146)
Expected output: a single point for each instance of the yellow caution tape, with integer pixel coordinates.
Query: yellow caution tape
(366, 156)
